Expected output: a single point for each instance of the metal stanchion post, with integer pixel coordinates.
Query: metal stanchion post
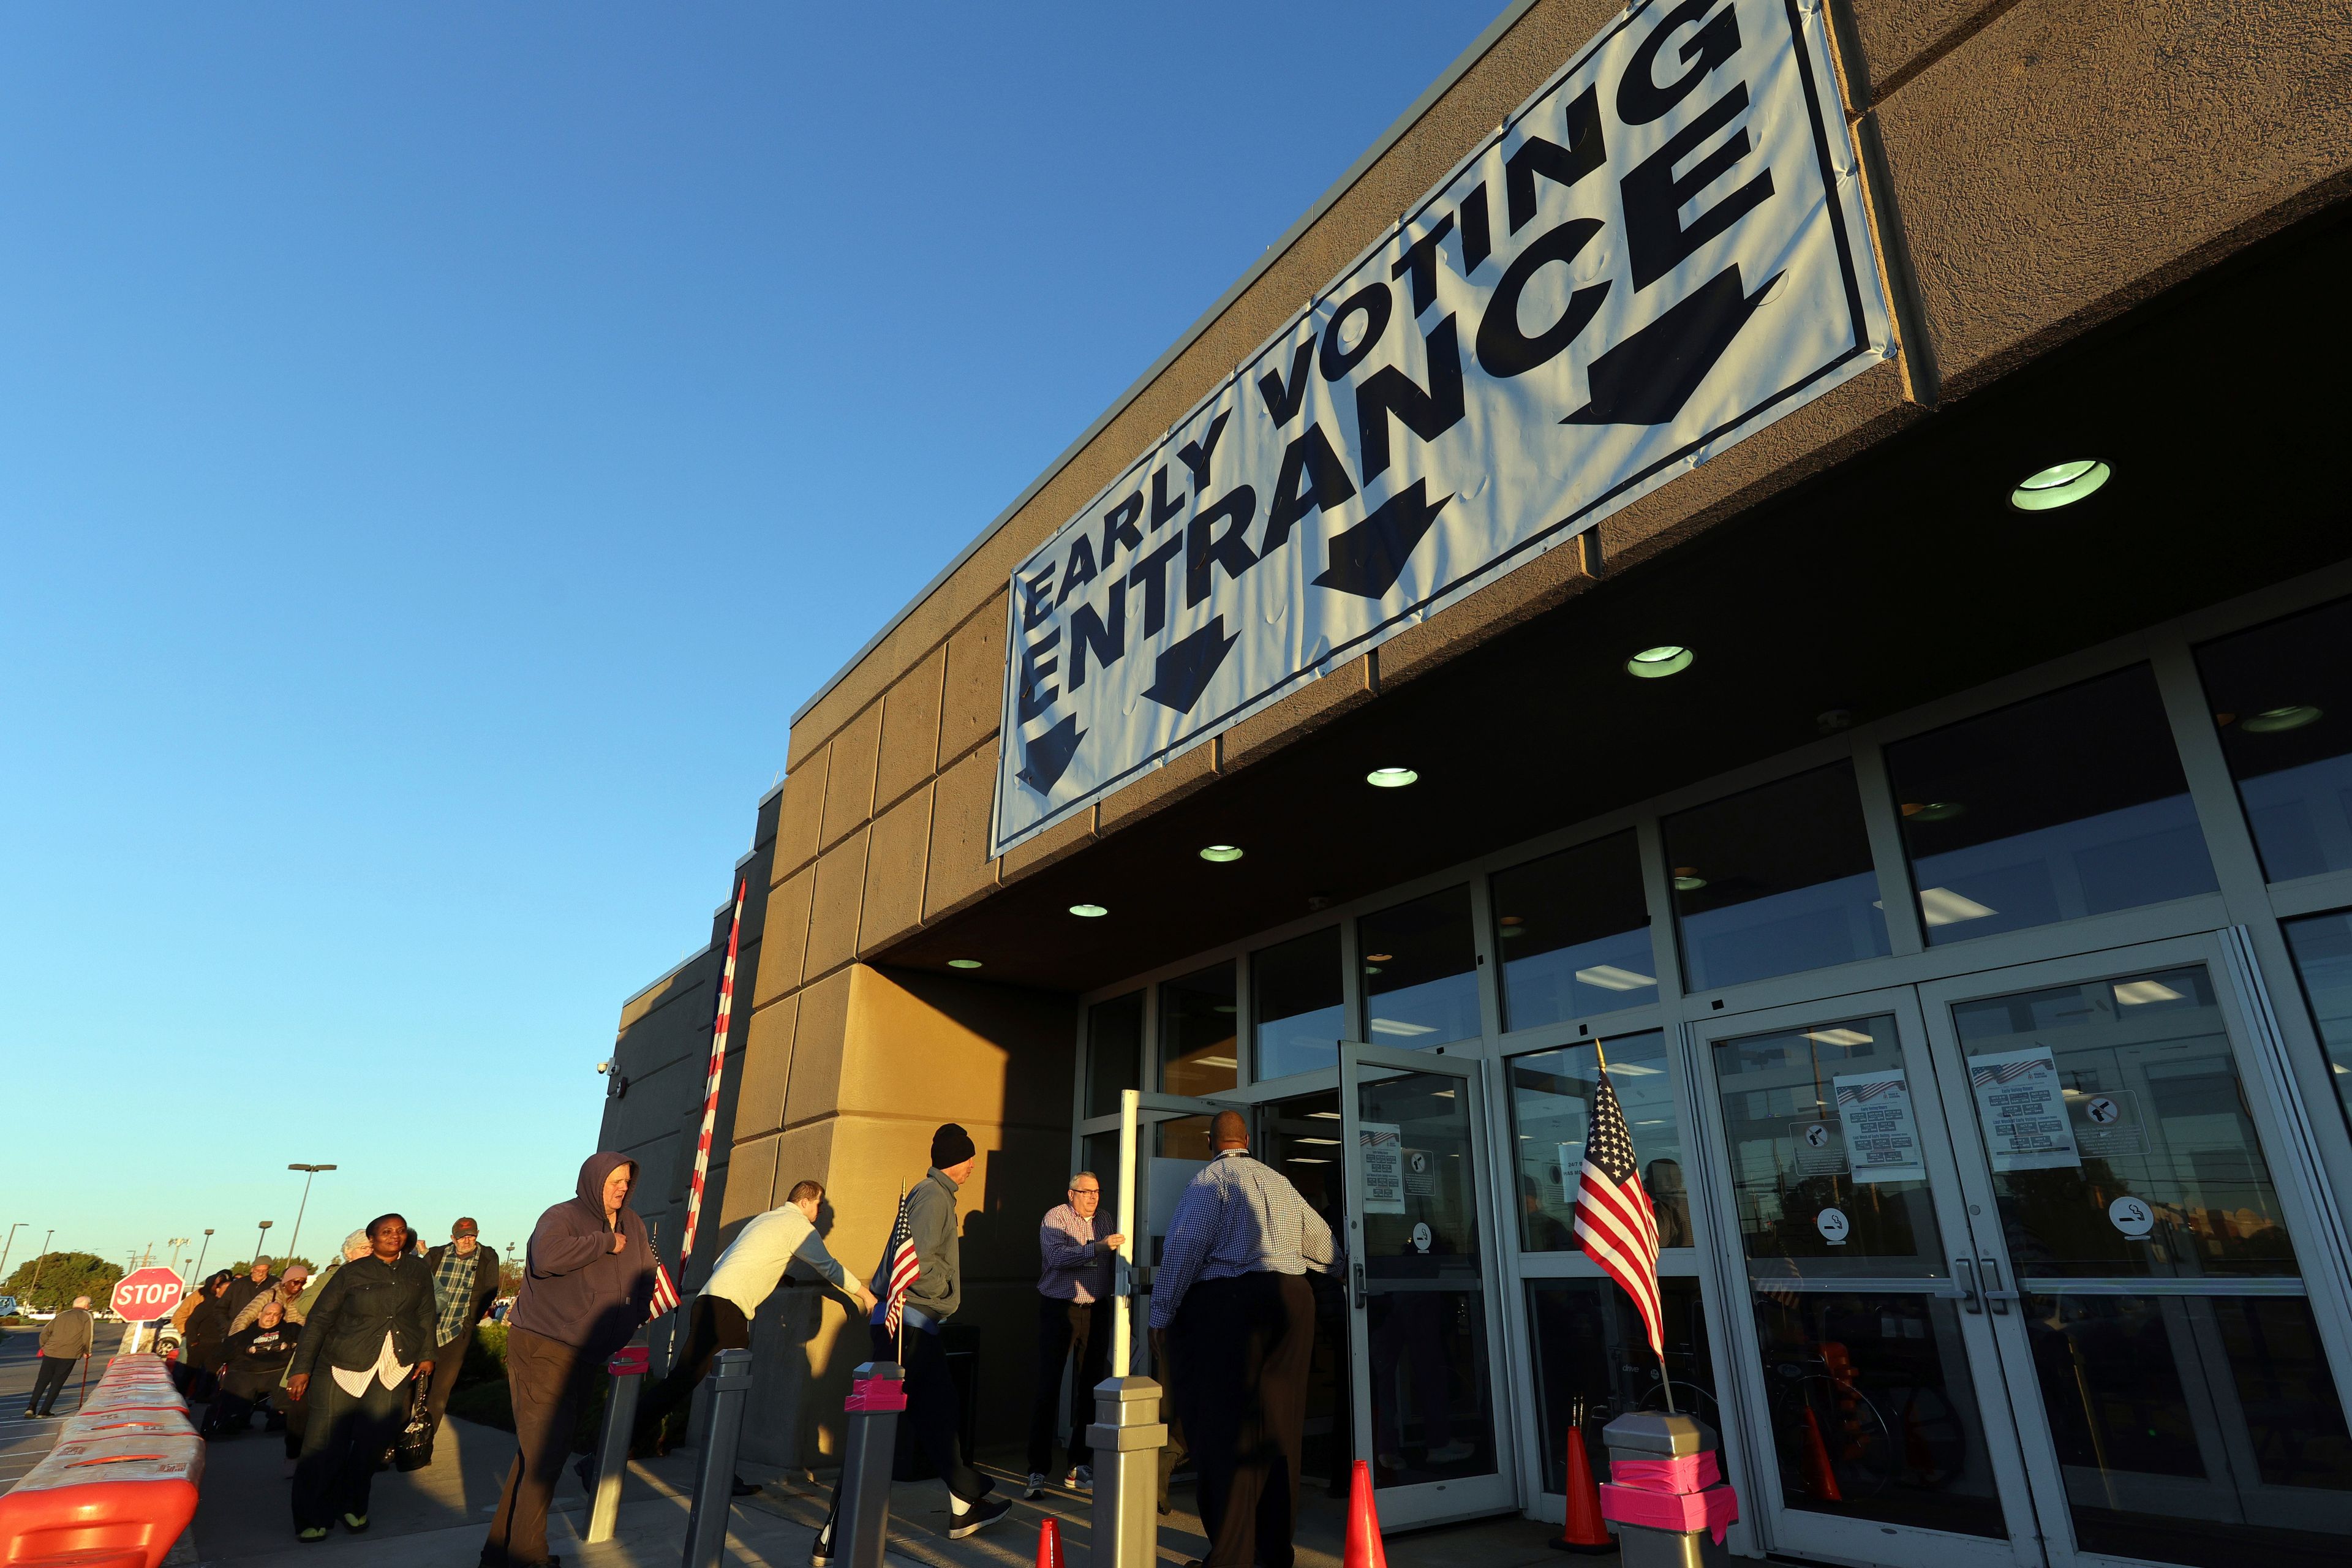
(729, 1386)
(628, 1369)
(1128, 1433)
(861, 1507)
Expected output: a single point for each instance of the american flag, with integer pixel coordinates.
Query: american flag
(1614, 1217)
(719, 1030)
(904, 1267)
(665, 1293)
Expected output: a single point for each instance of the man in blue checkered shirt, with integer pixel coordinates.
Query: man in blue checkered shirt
(1231, 1291)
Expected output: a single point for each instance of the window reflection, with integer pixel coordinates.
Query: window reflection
(2065, 805)
(1296, 1003)
(1551, 1096)
(1573, 929)
(1775, 881)
(2282, 699)
(1198, 1032)
(1114, 1051)
(1421, 983)
(2117, 1133)
(1590, 1345)
(2322, 945)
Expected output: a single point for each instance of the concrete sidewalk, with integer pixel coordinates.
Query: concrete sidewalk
(436, 1518)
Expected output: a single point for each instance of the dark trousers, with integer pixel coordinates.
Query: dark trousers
(50, 1381)
(1066, 1329)
(713, 1324)
(448, 1362)
(341, 1444)
(548, 1379)
(933, 1414)
(1240, 1349)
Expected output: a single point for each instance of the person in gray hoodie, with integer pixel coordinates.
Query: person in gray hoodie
(587, 1285)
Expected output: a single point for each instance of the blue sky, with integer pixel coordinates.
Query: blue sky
(440, 446)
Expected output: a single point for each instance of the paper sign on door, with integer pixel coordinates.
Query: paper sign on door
(1882, 1136)
(1381, 1145)
(2022, 1110)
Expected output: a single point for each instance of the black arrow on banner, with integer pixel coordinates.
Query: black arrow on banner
(1368, 558)
(1185, 668)
(1647, 379)
(1048, 756)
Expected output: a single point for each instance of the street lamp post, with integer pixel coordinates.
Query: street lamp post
(177, 1242)
(309, 1175)
(8, 1247)
(262, 1240)
(40, 1259)
(207, 1247)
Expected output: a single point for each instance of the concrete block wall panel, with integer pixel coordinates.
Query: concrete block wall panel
(1159, 788)
(814, 1084)
(784, 938)
(895, 858)
(1302, 711)
(1059, 842)
(2071, 159)
(767, 1069)
(910, 731)
(749, 1190)
(833, 904)
(852, 756)
(959, 871)
(800, 816)
(1885, 43)
(971, 702)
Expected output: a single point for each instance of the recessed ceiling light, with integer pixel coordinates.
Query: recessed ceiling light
(963, 963)
(2062, 484)
(1380, 957)
(1222, 853)
(1933, 810)
(1653, 662)
(1687, 879)
(1391, 778)
(1088, 912)
(2272, 721)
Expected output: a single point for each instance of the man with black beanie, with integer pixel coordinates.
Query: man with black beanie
(933, 1412)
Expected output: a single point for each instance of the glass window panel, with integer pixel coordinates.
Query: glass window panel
(2148, 1112)
(1590, 1346)
(1198, 1032)
(2050, 809)
(1551, 1095)
(1775, 881)
(1787, 1099)
(1421, 980)
(2282, 699)
(1573, 929)
(1099, 1152)
(2195, 1429)
(1114, 1051)
(1300, 1138)
(2322, 945)
(1298, 1005)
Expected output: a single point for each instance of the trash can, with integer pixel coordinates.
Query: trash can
(1666, 1493)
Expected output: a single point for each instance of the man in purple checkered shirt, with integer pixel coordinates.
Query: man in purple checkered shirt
(1230, 1289)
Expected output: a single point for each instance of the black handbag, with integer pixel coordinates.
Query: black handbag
(413, 1450)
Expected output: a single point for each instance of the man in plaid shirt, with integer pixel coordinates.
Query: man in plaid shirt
(1231, 1291)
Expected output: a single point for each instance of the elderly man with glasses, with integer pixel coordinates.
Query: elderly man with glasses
(1073, 1297)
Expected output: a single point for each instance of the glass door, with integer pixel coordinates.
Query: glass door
(1422, 1294)
(1870, 1392)
(2143, 1263)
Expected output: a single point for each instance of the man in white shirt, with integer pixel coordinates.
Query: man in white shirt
(746, 1275)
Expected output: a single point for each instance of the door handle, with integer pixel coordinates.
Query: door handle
(2000, 1297)
(1971, 1295)
(1356, 1282)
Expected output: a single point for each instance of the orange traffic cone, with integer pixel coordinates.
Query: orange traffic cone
(1364, 1549)
(1049, 1544)
(1582, 1530)
(1820, 1481)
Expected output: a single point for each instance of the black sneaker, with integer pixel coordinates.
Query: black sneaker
(743, 1488)
(978, 1517)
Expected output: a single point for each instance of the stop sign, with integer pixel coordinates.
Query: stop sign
(145, 1294)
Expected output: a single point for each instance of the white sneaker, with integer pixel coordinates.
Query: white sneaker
(1081, 1479)
(1036, 1485)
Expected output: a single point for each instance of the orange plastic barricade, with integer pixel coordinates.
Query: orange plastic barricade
(103, 1502)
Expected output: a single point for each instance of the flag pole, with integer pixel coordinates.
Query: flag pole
(887, 1270)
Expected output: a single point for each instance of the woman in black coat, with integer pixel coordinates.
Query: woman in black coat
(370, 1334)
(203, 1343)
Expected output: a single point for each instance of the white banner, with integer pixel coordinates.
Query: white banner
(1660, 254)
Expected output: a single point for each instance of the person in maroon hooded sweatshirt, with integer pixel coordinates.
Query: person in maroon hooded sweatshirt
(587, 1287)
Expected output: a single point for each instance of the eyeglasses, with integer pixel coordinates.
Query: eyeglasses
(1085, 1192)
